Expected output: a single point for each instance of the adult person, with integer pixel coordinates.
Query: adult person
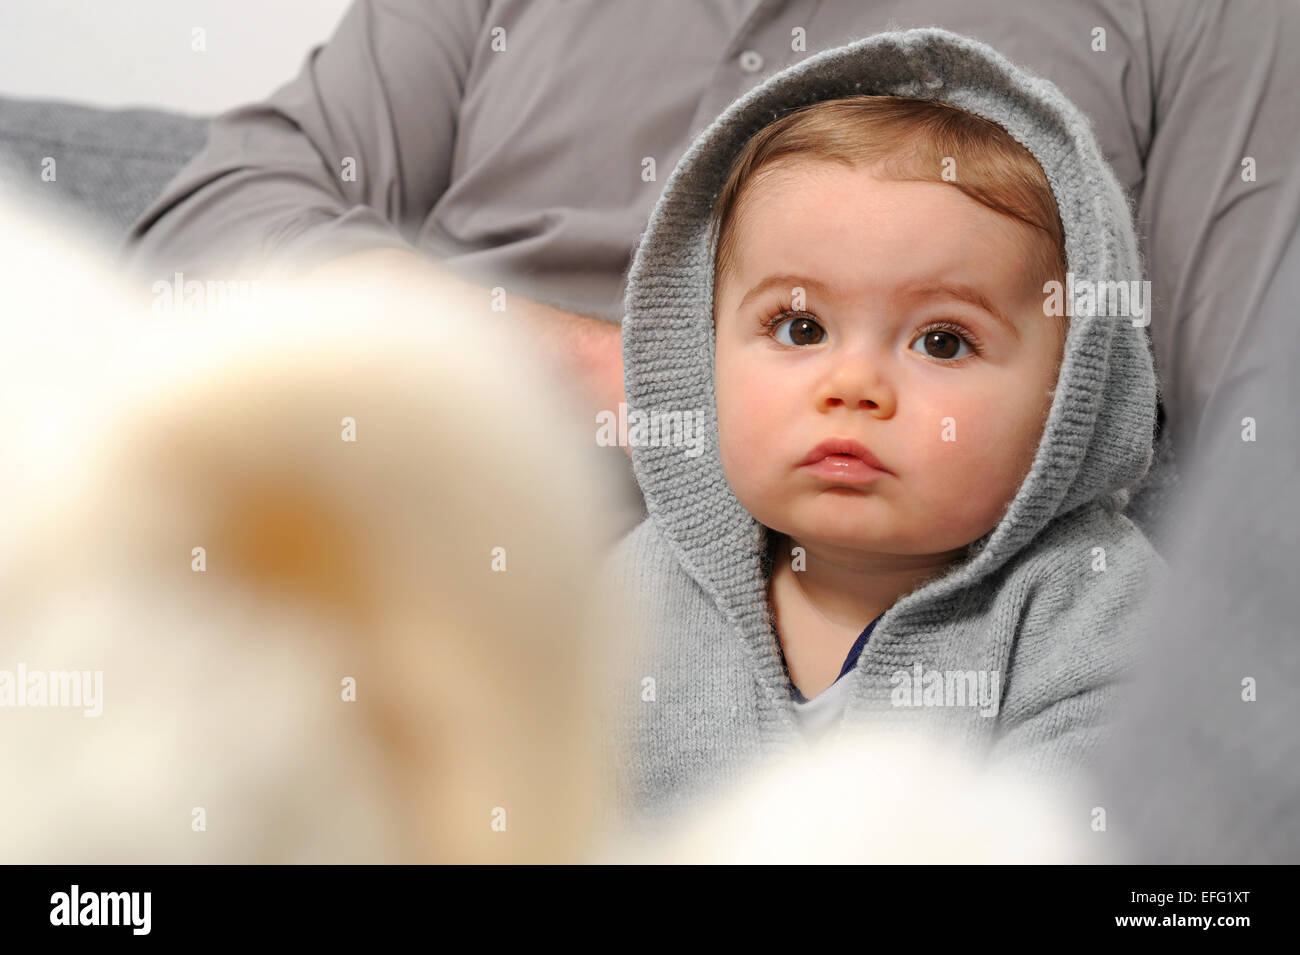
(1202, 769)
(521, 146)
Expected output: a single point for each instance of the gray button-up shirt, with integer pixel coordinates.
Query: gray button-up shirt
(524, 142)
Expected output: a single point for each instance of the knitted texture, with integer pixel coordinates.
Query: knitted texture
(1027, 602)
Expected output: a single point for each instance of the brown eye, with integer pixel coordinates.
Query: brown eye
(942, 345)
(801, 331)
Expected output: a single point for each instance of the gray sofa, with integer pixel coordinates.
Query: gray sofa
(110, 163)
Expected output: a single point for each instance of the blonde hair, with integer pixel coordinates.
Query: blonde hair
(907, 140)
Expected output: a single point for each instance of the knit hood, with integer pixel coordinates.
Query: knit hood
(1097, 441)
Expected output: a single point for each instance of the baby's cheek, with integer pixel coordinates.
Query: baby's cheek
(747, 446)
(735, 438)
(745, 409)
(971, 467)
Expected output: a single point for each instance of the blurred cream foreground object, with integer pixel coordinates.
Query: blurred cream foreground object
(387, 499)
(874, 797)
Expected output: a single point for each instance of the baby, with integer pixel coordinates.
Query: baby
(878, 419)
(910, 514)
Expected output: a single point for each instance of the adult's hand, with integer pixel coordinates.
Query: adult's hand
(588, 349)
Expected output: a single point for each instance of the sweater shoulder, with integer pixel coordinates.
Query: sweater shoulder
(642, 546)
(1076, 547)
(1086, 583)
(643, 560)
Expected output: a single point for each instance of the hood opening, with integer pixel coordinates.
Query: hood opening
(1097, 440)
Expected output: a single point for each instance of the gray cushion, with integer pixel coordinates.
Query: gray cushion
(109, 164)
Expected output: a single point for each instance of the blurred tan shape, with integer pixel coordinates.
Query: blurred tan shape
(141, 434)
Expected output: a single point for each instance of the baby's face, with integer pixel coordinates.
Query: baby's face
(950, 400)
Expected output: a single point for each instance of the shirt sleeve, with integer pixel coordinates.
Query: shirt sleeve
(1224, 82)
(350, 154)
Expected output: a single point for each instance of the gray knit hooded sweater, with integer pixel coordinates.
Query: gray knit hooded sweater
(708, 692)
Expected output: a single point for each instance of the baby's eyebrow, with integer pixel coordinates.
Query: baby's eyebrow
(970, 294)
(787, 282)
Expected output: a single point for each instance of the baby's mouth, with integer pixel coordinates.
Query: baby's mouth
(844, 469)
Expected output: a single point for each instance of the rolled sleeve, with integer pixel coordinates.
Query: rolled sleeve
(351, 154)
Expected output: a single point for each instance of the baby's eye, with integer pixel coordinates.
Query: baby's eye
(800, 329)
(943, 344)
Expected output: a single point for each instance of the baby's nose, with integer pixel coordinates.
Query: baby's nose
(857, 384)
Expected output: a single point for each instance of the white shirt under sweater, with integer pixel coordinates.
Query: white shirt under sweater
(823, 711)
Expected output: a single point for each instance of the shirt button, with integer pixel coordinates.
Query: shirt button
(750, 61)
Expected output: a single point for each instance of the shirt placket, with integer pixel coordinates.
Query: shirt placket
(761, 47)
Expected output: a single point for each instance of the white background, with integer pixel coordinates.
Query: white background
(137, 52)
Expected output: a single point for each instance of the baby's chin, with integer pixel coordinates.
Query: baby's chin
(861, 520)
(836, 536)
